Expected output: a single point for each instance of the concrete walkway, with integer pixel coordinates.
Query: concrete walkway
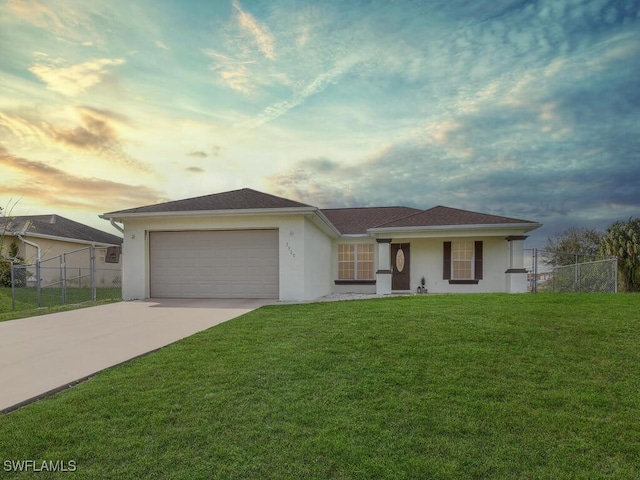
(41, 355)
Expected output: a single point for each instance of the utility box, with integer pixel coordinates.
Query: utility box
(113, 255)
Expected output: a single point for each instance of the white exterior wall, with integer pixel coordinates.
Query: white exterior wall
(291, 258)
(317, 258)
(383, 279)
(308, 257)
(427, 259)
(297, 282)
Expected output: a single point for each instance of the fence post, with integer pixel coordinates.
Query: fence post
(93, 272)
(579, 278)
(13, 289)
(38, 284)
(63, 279)
(535, 271)
(61, 275)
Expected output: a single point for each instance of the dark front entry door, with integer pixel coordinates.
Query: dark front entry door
(400, 266)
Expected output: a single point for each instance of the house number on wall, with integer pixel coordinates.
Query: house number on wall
(400, 260)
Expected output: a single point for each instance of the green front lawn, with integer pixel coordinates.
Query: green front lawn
(444, 387)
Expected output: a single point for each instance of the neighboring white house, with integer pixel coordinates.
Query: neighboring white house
(246, 243)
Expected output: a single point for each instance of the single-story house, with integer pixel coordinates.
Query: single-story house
(246, 243)
(48, 237)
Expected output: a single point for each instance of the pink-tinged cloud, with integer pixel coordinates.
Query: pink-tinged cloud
(51, 185)
(97, 134)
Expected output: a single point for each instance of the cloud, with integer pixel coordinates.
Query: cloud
(74, 80)
(95, 134)
(259, 33)
(161, 45)
(194, 170)
(65, 22)
(198, 153)
(50, 185)
(321, 181)
(314, 87)
(98, 134)
(24, 126)
(517, 166)
(232, 71)
(245, 60)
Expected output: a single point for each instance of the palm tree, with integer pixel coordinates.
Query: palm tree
(622, 239)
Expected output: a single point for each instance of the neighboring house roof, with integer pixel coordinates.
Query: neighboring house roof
(356, 221)
(446, 216)
(56, 226)
(244, 199)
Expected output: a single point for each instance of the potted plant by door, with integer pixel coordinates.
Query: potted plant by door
(422, 287)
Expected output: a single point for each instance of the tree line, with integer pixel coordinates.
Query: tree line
(621, 240)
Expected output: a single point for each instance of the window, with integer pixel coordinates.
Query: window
(355, 262)
(462, 262)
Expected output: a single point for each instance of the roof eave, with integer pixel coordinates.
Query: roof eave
(528, 226)
(326, 225)
(61, 239)
(324, 222)
(209, 213)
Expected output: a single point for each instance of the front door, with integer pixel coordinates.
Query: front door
(400, 266)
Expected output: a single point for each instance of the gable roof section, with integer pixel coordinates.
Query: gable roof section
(57, 226)
(447, 216)
(356, 221)
(243, 199)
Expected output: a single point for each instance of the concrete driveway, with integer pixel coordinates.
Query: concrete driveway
(41, 355)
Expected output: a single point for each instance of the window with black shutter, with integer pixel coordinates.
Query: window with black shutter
(462, 262)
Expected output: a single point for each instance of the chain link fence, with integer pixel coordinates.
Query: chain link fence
(79, 276)
(570, 272)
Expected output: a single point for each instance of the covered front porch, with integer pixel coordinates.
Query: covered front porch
(451, 264)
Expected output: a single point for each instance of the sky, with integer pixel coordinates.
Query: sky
(527, 109)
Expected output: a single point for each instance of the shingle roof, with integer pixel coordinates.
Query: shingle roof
(350, 221)
(447, 216)
(57, 226)
(243, 199)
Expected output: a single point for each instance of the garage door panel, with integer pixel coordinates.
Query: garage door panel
(214, 264)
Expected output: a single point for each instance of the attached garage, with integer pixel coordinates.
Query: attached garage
(214, 264)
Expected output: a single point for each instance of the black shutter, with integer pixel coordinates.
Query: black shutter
(446, 261)
(478, 261)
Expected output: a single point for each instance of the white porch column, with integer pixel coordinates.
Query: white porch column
(383, 274)
(516, 274)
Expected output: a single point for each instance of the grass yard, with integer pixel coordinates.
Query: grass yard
(50, 299)
(434, 386)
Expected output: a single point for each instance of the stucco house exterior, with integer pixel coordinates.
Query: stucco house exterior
(48, 237)
(246, 243)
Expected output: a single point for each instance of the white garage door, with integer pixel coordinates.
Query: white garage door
(214, 264)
